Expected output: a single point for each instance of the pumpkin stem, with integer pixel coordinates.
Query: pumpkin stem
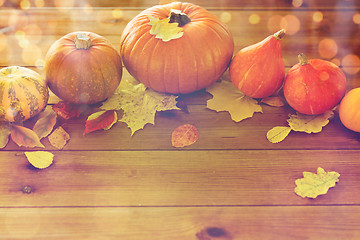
(280, 34)
(303, 59)
(82, 41)
(176, 16)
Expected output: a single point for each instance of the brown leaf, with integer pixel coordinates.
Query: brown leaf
(184, 135)
(274, 101)
(100, 120)
(26, 137)
(4, 134)
(45, 124)
(59, 138)
(68, 110)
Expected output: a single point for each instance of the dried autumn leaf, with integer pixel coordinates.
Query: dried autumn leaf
(59, 138)
(164, 30)
(278, 134)
(100, 120)
(309, 123)
(184, 135)
(313, 185)
(26, 137)
(68, 110)
(40, 159)
(4, 134)
(138, 103)
(274, 101)
(45, 124)
(226, 97)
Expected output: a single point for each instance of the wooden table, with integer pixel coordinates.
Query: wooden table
(231, 184)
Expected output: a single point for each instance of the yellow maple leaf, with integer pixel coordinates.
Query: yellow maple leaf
(40, 159)
(226, 97)
(138, 103)
(164, 30)
(278, 134)
(313, 185)
(309, 123)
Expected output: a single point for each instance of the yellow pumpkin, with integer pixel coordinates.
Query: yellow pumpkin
(23, 93)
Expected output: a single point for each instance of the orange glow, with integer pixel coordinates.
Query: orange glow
(117, 13)
(63, 4)
(1, 2)
(328, 48)
(254, 19)
(39, 3)
(31, 54)
(336, 61)
(291, 24)
(35, 32)
(356, 18)
(297, 3)
(225, 17)
(25, 4)
(274, 23)
(351, 64)
(318, 16)
(3, 42)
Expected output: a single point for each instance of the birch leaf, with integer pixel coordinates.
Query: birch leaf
(59, 138)
(40, 159)
(100, 120)
(164, 30)
(139, 104)
(4, 134)
(226, 97)
(278, 134)
(26, 137)
(313, 185)
(309, 123)
(45, 124)
(184, 135)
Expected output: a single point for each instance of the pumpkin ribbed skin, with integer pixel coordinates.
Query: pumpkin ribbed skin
(83, 76)
(23, 94)
(183, 65)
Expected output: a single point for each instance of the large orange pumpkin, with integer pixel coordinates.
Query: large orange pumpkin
(23, 94)
(183, 65)
(83, 68)
(349, 110)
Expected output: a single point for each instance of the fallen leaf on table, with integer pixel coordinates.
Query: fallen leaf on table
(278, 134)
(59, 138)
(313, 185)
(100, 120)
(40, 159)
(26, 137)
(164, 30)
(226, 97)
(138, 103)
(274, 101)
(184, 135)
(45, 124)
(4, 134)
(309, 123)
(68, 110)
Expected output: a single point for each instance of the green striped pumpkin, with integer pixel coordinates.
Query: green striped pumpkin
(23, 94)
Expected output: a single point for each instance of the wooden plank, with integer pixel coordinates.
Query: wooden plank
(320, 222)
(175, 178)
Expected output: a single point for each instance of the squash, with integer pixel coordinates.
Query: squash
(192, 61)
(258, 70)
(83, 68)
(314, 86)
(349, 110)
(23, 94)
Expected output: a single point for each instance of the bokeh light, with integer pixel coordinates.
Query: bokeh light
(225, 17)
(35, 31)
(31, 54)
(318, 16)
(254, 19)
(327, 48)
(351, 64)
(25, 4)
(356, 18)
(297, 3)
(39, 3)
(336, 61)
(1, 2)
(3, 42)
(274, 23)
(291, 24)
(117, 13)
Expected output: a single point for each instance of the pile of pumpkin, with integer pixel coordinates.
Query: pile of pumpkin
(84, 68)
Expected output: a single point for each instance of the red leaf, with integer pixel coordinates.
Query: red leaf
(45, 124)
(67, 110)
(100, 120)
(184, 135)
(26, 137)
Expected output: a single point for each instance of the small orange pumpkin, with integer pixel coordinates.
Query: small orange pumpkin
(83, 68)
(23, 94)
(349, 110)
(183, 65)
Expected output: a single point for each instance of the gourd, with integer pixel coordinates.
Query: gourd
(258, 70)
(23, 94)
(83, 68)
(182, 65)
(314, 86)
(349, 110)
